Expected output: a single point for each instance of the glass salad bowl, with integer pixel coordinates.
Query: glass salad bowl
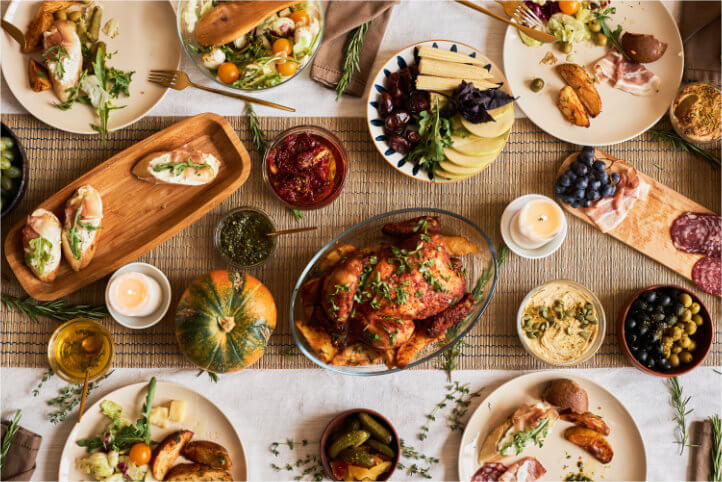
(479, 267)
(255, 62)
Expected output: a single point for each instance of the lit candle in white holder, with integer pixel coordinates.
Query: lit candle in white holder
(537, 223)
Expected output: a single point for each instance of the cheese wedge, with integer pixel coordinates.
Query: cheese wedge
(447, 84)
(452, 69)
(440, 54)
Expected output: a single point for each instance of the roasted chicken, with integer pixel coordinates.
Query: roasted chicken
(394, 298)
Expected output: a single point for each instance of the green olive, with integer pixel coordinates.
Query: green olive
(685, 299)
(674, 360)
(692, 345)
(686, 315)
(6, 143)
(685, 357)
(698, 319)
(594, 26)
(600, 39)
(684, 341)
(690, 328)
(6, 183)
(75, 16)
(9, 155)
(13, 172)
(676, 349)
(694, 308)
(4, 163)
(566, 47)
(676, 333)
(667, 341)
(537, 85)
(61, 15)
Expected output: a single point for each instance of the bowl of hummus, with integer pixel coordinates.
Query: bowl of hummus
(561, 323)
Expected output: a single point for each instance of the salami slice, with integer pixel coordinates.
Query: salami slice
(707, 275)
(697, 233)
(489, 472)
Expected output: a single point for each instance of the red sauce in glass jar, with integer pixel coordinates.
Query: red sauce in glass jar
(305, 169)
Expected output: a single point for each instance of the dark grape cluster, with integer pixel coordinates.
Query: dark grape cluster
(398, 105)
(586, 181)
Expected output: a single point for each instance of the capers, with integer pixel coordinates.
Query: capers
(566, 47)
(600, 39)
(594, 26)
(698, 320)
(685, 357)
(694, 308)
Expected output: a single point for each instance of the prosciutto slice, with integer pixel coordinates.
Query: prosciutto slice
(623, 74)
(609, 212)
(527, 469)
(528, 416)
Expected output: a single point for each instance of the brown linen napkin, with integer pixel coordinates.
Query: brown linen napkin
(341, 18)
(20, 459)
(700, 28)
(700, 462)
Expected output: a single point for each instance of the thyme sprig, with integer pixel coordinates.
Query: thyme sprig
(679, 404)
(58, 310)
(352, 55)
(259, 138)
(46, 376)
(9, 434)
(716, 451)
(288, 443)
(415, 468)
(310, 465)
(452, 391)
(461, 407)
(679, 143)
(69, 398)
(213, 376)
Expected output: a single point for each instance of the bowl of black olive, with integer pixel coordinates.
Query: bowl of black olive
(665, 330)
(13, 171)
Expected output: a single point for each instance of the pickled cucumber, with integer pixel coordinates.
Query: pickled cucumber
(381, 448)
(347, 440)
(357, 456)
(378, 431)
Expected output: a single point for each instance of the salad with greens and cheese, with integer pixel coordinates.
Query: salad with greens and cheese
(271, 53)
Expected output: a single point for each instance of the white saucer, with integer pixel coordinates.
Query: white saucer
(141, 322)
(541, 252)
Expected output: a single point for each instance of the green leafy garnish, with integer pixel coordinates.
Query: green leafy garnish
(74, 238)
(613, 36)
(297, 215)
(520, 439)
(679, 143)
(679, 404)
(57, 53)
(40, 253)
(352, 55)
(435, 132)
(103, 113)
(118, 82)
(716, 449)
(73, 94)
(259, 138)
(179, 167)
(7, 440)
(57, 310)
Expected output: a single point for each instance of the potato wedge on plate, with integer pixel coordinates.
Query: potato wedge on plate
(208, 453)
(459, 246)
(167, 452)
(593, 442)
(583, 85)
(571, 107)
(197, 472)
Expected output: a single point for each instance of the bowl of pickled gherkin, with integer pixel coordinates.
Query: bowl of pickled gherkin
(13, 171)
(665, 330)
(359, 444)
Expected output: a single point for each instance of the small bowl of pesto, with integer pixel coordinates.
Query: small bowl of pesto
(241, 237)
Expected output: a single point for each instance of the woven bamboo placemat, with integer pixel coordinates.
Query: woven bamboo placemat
(528, 164)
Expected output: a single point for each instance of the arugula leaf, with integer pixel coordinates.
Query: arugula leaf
(40, 255)
(520, 439)
(103, 114)
(435, 132)
(179, 167)
(118, 82)
(613, 36)
(73, 94)
(57, 53)
(74, 238)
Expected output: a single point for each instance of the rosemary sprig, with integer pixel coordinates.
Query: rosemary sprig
(46, 376)
(679, 403)
(213, 376)
(69, 398)
(259, 138)
(716, 452)
(58, 310)
(9, 434)
(679, 143)
(352, 54)
(411, 453)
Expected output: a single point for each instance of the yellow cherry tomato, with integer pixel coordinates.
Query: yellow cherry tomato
(300, 16)
(140, 454)
(570, 7)
(228, 72)
(282, 46)
(286, 67)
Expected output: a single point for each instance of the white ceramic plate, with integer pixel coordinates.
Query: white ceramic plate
(202, 417)
(623, 115)
(629, 462)
(147, 40)
(398, 61)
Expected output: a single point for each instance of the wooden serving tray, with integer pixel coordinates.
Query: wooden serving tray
(138, 216)
(646, 226)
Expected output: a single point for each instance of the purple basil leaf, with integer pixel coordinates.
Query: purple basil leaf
(473, 104)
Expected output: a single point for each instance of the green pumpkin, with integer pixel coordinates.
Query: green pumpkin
(224, 320)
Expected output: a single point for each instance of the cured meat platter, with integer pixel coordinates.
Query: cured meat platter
(647, 224)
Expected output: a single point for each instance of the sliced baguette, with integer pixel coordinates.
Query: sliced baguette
(489, 451)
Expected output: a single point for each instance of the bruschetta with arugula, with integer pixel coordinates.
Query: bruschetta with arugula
(42, 245)
(82, 227)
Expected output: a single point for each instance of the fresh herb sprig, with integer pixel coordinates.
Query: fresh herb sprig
(57, 53)
(259, 138)
(679, 404)
(297, 215)
(9, 434)
(716, 450)
(679, 143)
(57, 310)
(310, 464)
(416, 469)
(452, 391)
(612, 35)
(69, 398)
(435, 132)
(46, 376)
(288, 443)
(213, 376)
(179, 168)
(461, 407)
(73, 94)
(520, 439)
(352, 55)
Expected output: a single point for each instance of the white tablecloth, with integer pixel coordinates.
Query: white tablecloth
(273, 405)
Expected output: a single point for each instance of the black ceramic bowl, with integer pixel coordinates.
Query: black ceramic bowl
(20, 161)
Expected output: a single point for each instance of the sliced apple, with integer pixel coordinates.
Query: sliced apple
(479, 146)
(503, 120)
(452, 168)
(463, 160)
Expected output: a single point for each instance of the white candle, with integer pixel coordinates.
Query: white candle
(538, 222)
(134, 294)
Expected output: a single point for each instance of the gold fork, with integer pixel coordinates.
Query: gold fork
(175, 79)
(535, 34)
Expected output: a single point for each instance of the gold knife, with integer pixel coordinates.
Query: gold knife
(14, 32)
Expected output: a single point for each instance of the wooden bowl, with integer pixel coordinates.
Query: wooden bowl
(336, 424)
(703, 336)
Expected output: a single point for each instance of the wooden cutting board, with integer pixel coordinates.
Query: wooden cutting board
(646, 226)
(138, 216)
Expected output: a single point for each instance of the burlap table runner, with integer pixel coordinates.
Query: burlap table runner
(528, 164)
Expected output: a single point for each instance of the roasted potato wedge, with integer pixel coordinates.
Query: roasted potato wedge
(358, 354)
(571, 107)
(583, 85)
(408, 351)
(586, 420)
(167, 451)
(208, 453)
(459, 246)
(334, 256)
(319, 340)
(310, 291)
(591, 441)
(38, 77)
(197, 472)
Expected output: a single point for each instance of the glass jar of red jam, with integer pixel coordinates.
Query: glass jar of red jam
(305, 167)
